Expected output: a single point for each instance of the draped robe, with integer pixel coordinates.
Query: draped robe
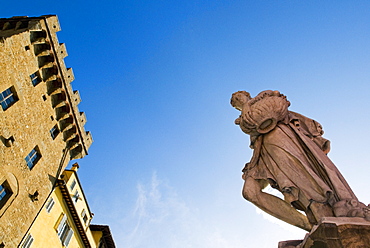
(292, 158)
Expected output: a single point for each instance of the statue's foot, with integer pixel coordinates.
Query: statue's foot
(350, 208)
(367, 213)
(307, 226)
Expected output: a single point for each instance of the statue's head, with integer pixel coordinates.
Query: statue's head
(238, 99)
(261, 113)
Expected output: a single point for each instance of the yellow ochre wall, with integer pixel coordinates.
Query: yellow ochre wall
(44, 228)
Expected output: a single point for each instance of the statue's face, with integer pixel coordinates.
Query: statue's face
(238, 100)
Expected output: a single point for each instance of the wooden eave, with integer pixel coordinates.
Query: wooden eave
(72, 210)
(107, 238)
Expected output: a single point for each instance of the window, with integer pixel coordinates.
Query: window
(5, 193)
(49, 205)
(73, 184)
(28, 242)
(33, 157)
(64, 231)
(76, 196)
(84, 216)
(7, 98)
(35, 78)
(54, 131)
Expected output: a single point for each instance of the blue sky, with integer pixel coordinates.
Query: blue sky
(155, 78)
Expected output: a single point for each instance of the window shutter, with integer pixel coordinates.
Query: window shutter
(50, 205)
(28, 242)
(61, 224)
(68, 237)
(73, 184)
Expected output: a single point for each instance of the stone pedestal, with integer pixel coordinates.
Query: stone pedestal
(334, 232)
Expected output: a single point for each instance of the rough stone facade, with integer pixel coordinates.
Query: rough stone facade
(41, 128)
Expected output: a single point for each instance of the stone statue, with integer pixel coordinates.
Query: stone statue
(289, 153)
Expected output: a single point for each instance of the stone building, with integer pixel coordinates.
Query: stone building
(64, 220)
(41, 127)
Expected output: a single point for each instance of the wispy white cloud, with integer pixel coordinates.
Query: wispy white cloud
(160, 218)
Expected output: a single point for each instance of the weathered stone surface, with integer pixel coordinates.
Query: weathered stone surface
(335, 232)
(29, 46)
(290, 155)
(290, 243)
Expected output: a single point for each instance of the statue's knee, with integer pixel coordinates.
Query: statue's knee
(247, 194)
(250, 190)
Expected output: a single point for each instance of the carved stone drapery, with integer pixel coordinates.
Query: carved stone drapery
(290, 155)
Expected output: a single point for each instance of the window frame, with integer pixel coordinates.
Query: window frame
(5, 193)
(28, 241)
(35, 78)
(64, 231)
(54, 132)
(49, 205)
(76, 196)
(33, 157)
(73, 184)
(11, 183)
(84, 216)
(8, 97)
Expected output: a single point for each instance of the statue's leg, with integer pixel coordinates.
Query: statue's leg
(252, 191)
(320, 210)
(314, 210)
